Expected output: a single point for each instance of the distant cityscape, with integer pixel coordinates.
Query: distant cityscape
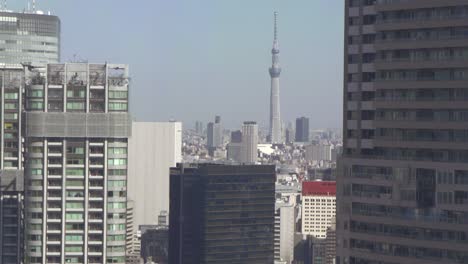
(83, 181)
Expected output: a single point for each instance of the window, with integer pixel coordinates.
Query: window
(117, 183)
(118, 94)
(11, 96)
(114, 106)
(75, 205)
(75, 172)
(119, 205)
(75, 106)
(116, 227)
(74, 216)
(74, 238)
(117, 162)
(75, 150)
(11, 106)
(116, 150)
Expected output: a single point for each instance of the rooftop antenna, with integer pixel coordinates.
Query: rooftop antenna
(276, 27)
(34, 6)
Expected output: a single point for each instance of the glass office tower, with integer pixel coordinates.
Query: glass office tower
(403, 195)
(29, 38)
(76, 131)
(222, 214)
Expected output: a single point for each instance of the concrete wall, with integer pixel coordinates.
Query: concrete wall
(153, 148)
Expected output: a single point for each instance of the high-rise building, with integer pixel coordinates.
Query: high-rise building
(249, 152)
(403, 194)
(302, 129)
(275, 71)
(11, 216)
(76, 130)
(285, 229)
(11, 166)
(214, 135)
(234, 148)
(29, 38)
(330, 243)
(199, 127)
(133, 243)
(318, 207)
(221, 214)
(318, 152)
(154, 148)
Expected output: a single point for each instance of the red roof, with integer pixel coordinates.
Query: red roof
(319, 188)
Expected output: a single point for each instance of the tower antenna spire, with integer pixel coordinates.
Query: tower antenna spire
(34, 6)
(276, 26)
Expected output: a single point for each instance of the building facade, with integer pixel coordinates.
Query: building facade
(302, 129)
(234, 148)
(222, 214)
(154, 148)
(155, 244)
(29, 38)
(214, 135)
(318, 207)
(403, 194)
(318, 152)
(76, 130)
(11, 216)
(285, 229)
(249, 152)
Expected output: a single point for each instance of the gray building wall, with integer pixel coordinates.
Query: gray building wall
(249, 153)
(402, 192)
(154, 148)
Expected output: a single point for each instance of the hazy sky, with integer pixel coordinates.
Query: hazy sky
(193, 59)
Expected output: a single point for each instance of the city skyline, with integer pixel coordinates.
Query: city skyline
(206, 36)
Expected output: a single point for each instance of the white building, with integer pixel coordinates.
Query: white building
(285, 223)
(319, 152)
(249, 145)
(153, 148)
(318, 207)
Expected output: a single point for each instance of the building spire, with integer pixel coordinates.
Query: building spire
(275, 38)
(276, 26)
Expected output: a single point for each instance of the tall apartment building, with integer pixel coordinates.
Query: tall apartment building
(29, 37)
(403, 194)
(302, 129)
(249, 153)
(318, 207)
(221, 214)
(76, 130)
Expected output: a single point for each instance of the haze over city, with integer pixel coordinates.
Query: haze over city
(212, 56)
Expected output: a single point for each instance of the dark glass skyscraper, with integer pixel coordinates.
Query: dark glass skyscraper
(302, 129)
(221, 214)
(403, 182)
